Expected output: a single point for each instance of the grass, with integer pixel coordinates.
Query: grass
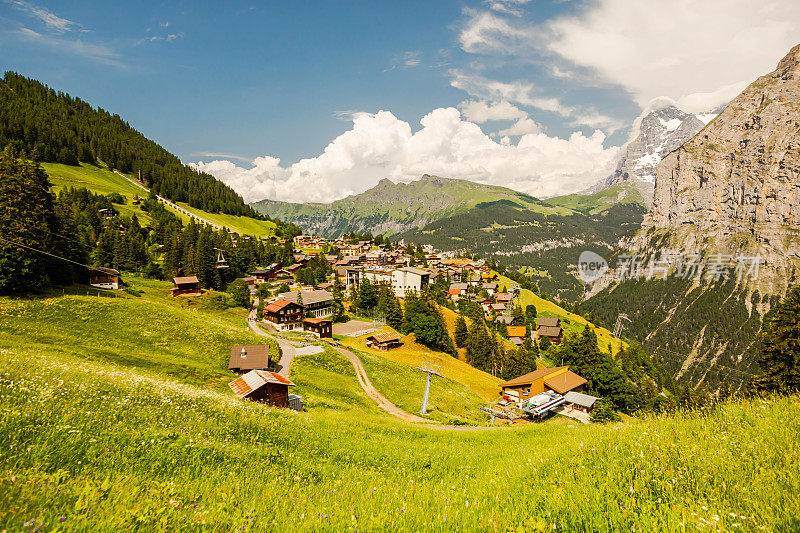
(449, 402)
(412, 354)
(88, 447)
(114, 415)
(571, 323)
(169, 337)
(103, 181)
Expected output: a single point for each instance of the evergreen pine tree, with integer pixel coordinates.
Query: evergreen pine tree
(461, 332)
(779, 354)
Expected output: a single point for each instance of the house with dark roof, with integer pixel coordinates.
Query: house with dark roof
(186, 286)
(321, 327)
(284, 315)
(249, 357)
(580, 401)
(559, 379)
(549, 327)
(105, 278)
(262, 386)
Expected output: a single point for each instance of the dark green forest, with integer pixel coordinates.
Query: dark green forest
(506, 232)
(674, 320)
(48, 240)
(51, 126)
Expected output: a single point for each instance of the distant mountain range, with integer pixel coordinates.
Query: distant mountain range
(539, 236)
(392, 208)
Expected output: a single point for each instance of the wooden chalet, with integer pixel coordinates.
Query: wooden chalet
(503, 298)
(186, 286)
(320, 327)
(105, 278)
(315, 302)
(549, 327)
(263, 386)
(249, 357)
(284, 315)
(560, 380)
(384, 341)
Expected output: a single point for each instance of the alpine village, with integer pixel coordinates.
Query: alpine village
(428, 354)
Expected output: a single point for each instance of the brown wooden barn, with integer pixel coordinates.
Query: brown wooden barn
(186, 286)
(321, 327)
(262, 386)
(549, 327)
(559, 379)
(384, 341)
(105, 278)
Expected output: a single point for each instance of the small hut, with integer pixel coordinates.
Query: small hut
(262, 386)
(186, 286)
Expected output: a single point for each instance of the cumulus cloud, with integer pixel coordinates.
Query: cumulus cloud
(382, 146)
(699, 52)
(523, 126)
(480, 111)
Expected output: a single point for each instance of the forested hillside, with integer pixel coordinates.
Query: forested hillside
(545, 246)
(51, 126)
(46, 239)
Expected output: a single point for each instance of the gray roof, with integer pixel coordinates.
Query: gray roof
(417, 271)
(507, 319)
(458, 286)
(548, 321)
(578, 398)
(309, 297)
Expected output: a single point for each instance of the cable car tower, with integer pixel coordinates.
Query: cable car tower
(620, 325)
(221, 261)
(431, 370)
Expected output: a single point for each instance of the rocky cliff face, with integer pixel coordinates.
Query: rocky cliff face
(732, 190)
(658, 131)
(736, 185)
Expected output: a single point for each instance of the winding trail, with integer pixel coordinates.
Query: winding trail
(288, 352)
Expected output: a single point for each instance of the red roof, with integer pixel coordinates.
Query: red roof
(255, 379)
(277, 305)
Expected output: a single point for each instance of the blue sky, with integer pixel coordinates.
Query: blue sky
(282, 99)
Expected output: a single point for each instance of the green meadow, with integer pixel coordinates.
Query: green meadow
(115, 416)
(100, 180)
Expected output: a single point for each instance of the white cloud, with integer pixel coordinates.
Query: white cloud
(509, 7)
(699, 52)
(48, 18)
(480, 111)
(523, 126)
(381, 146)
(486, 33)
(524, 93)
(95, 52)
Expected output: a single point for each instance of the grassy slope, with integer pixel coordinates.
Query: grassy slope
(571, 323)
(101, 180)
(87, 448)
(91, 443)
(598, 202)
(413, 354)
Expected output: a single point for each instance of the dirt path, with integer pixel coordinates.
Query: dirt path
(373, 393)
(288, 353)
